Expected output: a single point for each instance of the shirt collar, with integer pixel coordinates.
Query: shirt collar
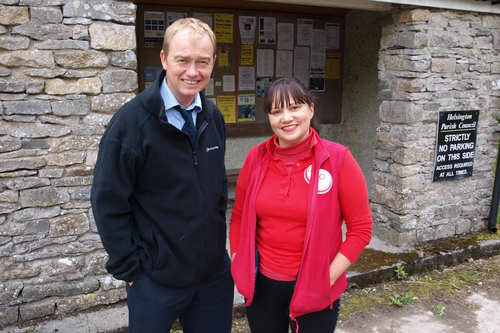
(171, 102)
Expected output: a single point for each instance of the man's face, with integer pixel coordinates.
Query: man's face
(189, 64)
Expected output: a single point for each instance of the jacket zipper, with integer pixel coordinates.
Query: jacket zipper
(306, 243)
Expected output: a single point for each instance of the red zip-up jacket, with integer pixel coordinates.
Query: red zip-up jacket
(323, 239)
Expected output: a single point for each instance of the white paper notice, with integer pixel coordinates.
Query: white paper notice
(209, 89)
(247, 29)
(154, 26)
(332, 35)
(284, 63)
(304, 31)
(246, 78)
(267, 30)
(228, 83)
(301, 65)
(172, 17)
(285, 36)
(318, 52)
(208, 18)
(265, 62)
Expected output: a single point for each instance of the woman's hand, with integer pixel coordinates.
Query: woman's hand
(338, 266)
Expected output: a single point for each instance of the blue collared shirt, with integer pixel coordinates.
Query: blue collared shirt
(173, 115)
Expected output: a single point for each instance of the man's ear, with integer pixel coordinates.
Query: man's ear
(163, 58)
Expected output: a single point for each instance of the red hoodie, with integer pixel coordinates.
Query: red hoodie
(323, 238)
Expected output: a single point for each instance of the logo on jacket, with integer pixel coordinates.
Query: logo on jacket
(325, 181)
(212, 148)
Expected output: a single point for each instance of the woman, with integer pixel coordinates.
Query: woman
(292, 195)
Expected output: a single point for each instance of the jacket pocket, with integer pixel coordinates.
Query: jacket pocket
(161, 251)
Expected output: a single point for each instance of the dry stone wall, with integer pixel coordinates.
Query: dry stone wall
(430, 61)
(65, 68)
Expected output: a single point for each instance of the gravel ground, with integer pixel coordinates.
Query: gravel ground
(460, 299)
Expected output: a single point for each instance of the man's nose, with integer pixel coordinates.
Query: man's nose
(192, 70)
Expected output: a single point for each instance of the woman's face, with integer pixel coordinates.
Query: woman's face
(291, 123)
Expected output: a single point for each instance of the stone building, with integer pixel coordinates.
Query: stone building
(67, 66)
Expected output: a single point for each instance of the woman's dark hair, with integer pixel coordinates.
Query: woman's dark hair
(280, 92)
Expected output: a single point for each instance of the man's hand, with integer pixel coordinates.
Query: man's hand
(130, 283)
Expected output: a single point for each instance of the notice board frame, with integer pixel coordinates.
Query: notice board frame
(327, 104)
(455, 144)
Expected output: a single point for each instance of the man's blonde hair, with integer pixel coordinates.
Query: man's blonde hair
(197, 30)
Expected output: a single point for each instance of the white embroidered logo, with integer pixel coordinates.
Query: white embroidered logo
(212, 148)
(325, 181)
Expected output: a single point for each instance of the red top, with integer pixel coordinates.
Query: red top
(282, 206)
(336, 195)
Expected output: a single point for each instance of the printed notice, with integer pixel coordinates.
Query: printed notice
(172, 17)
(267, 30)
(304, 31)
(223, 28)
(209, 89)
(247, 29)
(223, 58)
(332, 66)
(262, 84)
(205, 17)
(455, 144)
(227, 106)
(265, 62)
(154, 26)
(332, 35)
(228, 83)
(318, 54)
(246, 78)
(246, 107)
(247, 55)
(152, 72)
(301, 65)
(285, 36)
(284, 63)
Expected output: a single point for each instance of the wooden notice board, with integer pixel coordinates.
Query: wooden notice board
(253, 49)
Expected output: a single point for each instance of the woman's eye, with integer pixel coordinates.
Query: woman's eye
(276, 112)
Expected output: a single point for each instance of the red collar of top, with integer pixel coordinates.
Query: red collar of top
(293, 152)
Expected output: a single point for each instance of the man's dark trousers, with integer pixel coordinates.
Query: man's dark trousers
(203, 308)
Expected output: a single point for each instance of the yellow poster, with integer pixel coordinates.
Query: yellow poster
(223, 58)
(246, 55)
(332, 66)
(223, 28)
(226, 105)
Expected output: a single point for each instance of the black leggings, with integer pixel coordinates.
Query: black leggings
(269, 310)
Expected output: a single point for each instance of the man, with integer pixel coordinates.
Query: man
(159, 194)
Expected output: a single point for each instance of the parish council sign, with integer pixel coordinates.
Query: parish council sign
(455, 144)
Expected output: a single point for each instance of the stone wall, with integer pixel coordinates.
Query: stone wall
(430, 61)
(65, 68)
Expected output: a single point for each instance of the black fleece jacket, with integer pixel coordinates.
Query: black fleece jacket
(159, 205)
